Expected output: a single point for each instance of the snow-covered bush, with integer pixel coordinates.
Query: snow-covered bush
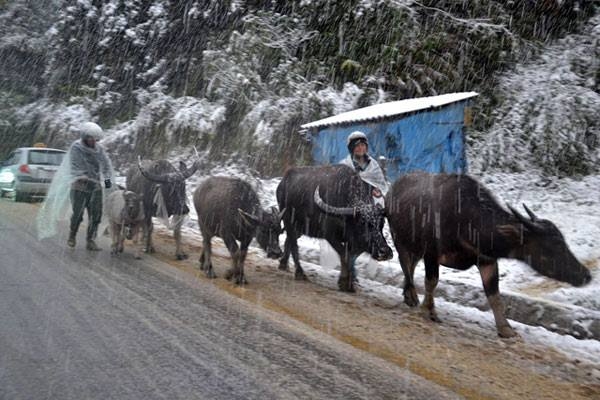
(547, 118)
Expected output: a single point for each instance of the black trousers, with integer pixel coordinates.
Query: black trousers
(86, 196)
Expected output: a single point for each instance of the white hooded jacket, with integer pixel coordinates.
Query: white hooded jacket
(372, 174)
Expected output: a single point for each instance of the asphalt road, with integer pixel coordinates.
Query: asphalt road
(82, 325)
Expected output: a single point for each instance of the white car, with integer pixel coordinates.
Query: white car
(28, 171)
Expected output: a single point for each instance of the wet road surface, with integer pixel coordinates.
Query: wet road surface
(84, 325)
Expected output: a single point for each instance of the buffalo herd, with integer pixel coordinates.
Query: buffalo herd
(442, 219)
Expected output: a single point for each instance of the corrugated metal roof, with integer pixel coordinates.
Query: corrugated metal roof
(391, 109)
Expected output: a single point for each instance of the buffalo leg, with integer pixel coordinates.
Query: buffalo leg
(136, 246)
(206, 257)
(299, 272)
(432, 273)
(291, 246)
(241, 279)
(283, 261)
(489, 277)
(179, 253)
(347, 273)
(148, 228)
(291, 239)
(408, 262)
(120, 243)
(114, 235)
(235, 273)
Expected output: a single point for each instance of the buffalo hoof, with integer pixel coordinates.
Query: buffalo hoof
(506, 332)
(180, 257)
(346, 285)
(114, 252)
(431, 315)
(235, 277)
(204, 267)
(210, 273)
(284, 266)
(150, 249)
(240, 280)
(300, 276)
(410, 297)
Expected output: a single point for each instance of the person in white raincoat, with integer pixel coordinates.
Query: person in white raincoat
(368, 169)
(85, 171)
(371, 173)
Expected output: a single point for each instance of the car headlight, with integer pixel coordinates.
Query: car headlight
(6, 177)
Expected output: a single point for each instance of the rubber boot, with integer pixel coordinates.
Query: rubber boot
(92, 246)
(91, 234)
(71, 240)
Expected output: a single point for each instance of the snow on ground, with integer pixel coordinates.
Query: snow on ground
(573, 205)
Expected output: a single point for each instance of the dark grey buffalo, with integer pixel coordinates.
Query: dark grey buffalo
(333, 203)
(454, 221)
(162, 188)
(229, 208)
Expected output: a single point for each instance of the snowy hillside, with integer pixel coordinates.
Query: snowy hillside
(547, 119)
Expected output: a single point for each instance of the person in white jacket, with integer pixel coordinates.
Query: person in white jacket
(89, 168)
(368, 169)
(81, 183)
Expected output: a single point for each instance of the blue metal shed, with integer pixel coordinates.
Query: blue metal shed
(425, 134)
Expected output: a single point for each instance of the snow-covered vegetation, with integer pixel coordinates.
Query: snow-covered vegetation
(547, 113)
(239, 77)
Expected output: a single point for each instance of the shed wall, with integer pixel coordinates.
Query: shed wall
(430, 141)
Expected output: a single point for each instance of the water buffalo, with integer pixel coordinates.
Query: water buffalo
(454, 221)
(125, 214)
(229, 208)
(333, 203)
(162, 188)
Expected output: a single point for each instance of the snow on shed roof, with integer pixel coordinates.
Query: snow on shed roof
(394, 108)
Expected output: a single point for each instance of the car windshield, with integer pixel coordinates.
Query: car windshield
(45, 157)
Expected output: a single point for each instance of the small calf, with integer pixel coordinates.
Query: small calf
(125, 215)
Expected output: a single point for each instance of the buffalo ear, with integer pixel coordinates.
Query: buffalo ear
(509, 232)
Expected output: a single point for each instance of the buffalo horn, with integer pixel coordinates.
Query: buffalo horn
(276, 212)
(533, 217)
(251, 219)
(159, 178)
(191, 171)
(331, 209)
(522, 219)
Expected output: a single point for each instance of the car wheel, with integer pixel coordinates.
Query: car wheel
(17, 196)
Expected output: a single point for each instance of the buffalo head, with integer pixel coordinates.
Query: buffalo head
(368, 220)
(131, 210)
(172, 185)
(268, 229)
(545, 249)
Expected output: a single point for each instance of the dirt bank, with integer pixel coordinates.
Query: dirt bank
(467, 358)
